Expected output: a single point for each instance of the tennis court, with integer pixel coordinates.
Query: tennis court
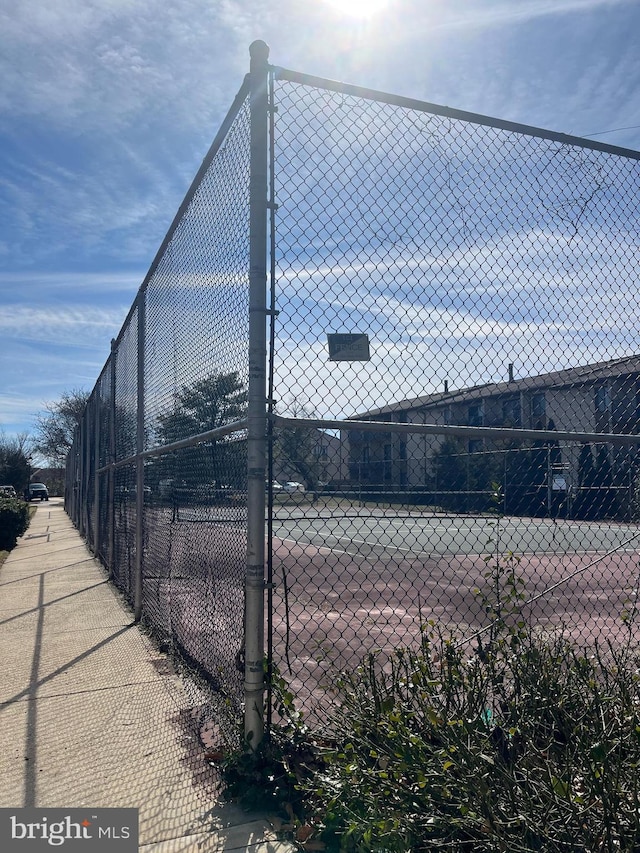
(367, 578)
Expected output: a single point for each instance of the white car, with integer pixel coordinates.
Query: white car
(294, 487)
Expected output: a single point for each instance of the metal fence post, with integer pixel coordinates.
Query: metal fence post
(112, 460)
(84, 453)
(137, 581)
(549, 483)
(96, 477)
(257, 393)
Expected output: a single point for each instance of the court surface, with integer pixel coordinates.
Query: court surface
(428, 535)
(365, 580)
(350, 580)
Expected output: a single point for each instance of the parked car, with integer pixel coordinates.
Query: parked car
(291, 487)
(9, 491)
(275, 486)
(38, 490)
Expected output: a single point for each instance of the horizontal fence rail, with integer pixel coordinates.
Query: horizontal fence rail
(192, 441)
(463, 431)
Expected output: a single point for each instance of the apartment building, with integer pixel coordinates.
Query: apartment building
(595, 398)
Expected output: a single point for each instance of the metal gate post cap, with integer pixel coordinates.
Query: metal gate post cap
(259, 51)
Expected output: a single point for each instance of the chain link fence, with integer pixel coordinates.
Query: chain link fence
(416, 326)
(157, 477)
(456, 327)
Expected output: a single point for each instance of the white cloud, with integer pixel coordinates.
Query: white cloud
(463, 14)
(42, 283)
(136, 55)
(109, 105)
(51, 325)
(35, 372)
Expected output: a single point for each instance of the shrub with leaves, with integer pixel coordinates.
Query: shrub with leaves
(521, 744)
(437, 754)
(434, 749)
(269, 777)
(14, 521)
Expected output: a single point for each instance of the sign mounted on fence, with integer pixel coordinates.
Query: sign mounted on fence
(348, 347)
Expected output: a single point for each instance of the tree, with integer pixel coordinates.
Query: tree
(523, 478)
(55, 426)
(585, 500)
(296, 449)
(606, 499)
(14, 462)
(450, 475)
(215, 401)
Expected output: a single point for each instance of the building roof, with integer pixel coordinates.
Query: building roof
(569, 377)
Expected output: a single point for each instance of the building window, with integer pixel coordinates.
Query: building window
(511, 411)
(386, 467)
(624, 407)
(603, 399)
(538, 407)
(475, 414)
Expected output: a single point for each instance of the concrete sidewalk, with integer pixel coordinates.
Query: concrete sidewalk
(91, 713)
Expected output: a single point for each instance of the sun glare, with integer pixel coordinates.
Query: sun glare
(358, 8)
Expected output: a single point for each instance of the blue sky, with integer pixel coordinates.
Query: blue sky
(108, 106)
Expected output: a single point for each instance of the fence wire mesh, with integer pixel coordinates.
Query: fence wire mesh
(447, 270)
(454, 390)
(125, 417)
(171, 523)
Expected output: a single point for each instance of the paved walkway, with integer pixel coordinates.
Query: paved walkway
(91, 713)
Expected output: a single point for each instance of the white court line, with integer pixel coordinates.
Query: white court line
(440, 554)
(505, 528)
(381, 545)
(359, 542)
(320, 547)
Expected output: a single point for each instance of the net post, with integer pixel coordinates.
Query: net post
(257, 401)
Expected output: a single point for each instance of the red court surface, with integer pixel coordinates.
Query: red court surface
(331, 608)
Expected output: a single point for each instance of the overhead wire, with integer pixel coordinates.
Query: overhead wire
(613, 130)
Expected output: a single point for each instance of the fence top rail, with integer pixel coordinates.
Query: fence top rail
(454, 429)
(191, 441)
(286, 74)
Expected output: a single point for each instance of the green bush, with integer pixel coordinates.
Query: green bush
(535, 749)
(533, 745)
(522, 743)
(14, 521)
